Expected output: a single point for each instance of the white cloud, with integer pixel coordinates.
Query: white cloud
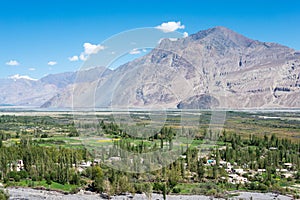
(83, 57)
(90, 49)
(52, 63)
(31, 69)
(134, 51)
(73, 58)
(12, 63)
(18, 76)
(170, 26)
(185, 34)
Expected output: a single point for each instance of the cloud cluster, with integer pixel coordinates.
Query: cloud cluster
(95, 48)
(12, 63)
(16, 63)
(134, 51)
(73, 58)
(52, 63)
(137, 51)
(88, 50)
(92, 48)
(170, 26)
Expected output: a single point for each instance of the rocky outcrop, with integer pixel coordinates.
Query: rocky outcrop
(203, 101)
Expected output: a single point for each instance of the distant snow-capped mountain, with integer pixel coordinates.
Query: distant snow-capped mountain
(18, 76)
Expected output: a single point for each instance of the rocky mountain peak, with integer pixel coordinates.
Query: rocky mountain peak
(222, 36)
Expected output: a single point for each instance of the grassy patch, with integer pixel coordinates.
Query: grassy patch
(186, 188)
(38, 184)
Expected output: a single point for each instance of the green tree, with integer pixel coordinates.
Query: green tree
(75, 179)
(215, 172)
(48, 180)
(164, 191)
(148, 190)
(200, 170)
(3, 195)
(98, 178)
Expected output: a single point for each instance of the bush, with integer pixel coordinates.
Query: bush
(48, 180)
(39, 178)
(14, 175)
(34, 178)
(176, 190)
(158, 186)
(262, 187)
(289, 179)
(212, 192)
(74, 191)
(11, 174)
(3, 195)
(31, 184)
(197, 191)
(75, 179)
(17, 178)
(297, 196)
(82, 182)
(138, 188)
(23, 174)
(5, 180)
(251, 186)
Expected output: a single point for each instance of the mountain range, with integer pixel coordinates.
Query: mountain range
(212, 68)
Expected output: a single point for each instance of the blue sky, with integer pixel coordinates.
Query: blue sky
(36, 34)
